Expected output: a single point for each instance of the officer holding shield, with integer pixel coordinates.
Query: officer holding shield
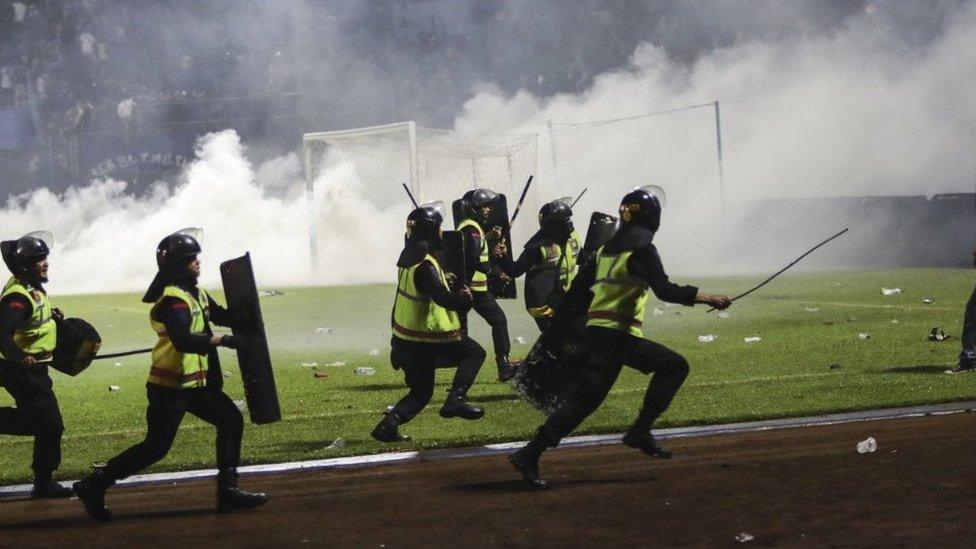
(427, 330)
(28, 335)
(477, 212)
(185, 377)
(548, 261)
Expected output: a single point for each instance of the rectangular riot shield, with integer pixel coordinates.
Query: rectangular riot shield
(253, 357)
(457, 210)
(499, 218)
(602, 227)
(455, 259)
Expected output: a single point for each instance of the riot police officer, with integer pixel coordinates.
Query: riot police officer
(548, 261)
(28, 334)
(477, 214)
(185, 377)
(427, 330)
(619, 277)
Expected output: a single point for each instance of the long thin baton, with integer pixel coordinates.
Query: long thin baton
(96, 357)
(783, 270)
(578, 198)
(410, 195)
(518, 207)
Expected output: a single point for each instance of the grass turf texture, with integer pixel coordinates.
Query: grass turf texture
(788, 373)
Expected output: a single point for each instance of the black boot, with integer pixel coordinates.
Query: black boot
(506, 367)
(231, 498)
(386, 429)
(457, 406)
(91, 492)
(525, 460)
(46, 488)
(644, 441)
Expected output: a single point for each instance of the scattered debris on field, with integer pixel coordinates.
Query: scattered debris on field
(890, 291)
(867, 446)
(753, 339)
(938, 335)
(707, 338)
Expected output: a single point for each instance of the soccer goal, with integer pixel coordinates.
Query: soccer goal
(435, 164)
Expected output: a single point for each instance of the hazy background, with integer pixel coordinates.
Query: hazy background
(824, 99)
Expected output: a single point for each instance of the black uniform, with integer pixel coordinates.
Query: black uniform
(543, 287)
(609, 350)
(167, 406)
(37, 413)
(967, 357)
(485, 304)
(419, 360)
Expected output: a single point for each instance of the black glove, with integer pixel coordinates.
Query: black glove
(231, 342)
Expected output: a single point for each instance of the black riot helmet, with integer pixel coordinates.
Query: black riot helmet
(424, 222)
(20, 255)
(556, 218)
(642, 206)
(175, 251)
(476, 199)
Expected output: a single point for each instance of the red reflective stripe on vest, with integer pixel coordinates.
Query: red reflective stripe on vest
(453, 334)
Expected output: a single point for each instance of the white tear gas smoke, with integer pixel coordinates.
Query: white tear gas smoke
(863, 110)
(105, 240)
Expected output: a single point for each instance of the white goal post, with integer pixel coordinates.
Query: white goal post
(436, 164)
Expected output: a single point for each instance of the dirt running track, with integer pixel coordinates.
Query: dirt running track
(794, 487)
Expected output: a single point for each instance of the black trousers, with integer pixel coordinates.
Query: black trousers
(164, 415)
(609, 351)
(37, 414)
(419, 361)
(968, 353)
(485, 305)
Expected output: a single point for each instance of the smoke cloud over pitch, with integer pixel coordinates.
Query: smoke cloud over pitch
(866, 105)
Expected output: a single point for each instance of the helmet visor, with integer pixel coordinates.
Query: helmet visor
(195, 232)
(44, 236)
(654, 190)
(567, 200)
(437, 206)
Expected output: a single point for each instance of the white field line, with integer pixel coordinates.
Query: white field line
(141, 430)
(910, 308)
(571, 442)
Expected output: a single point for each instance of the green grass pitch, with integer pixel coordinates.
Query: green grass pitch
(810, 361)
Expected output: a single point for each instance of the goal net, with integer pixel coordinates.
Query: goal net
(435, 164)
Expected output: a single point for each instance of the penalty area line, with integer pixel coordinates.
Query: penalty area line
(391, 458)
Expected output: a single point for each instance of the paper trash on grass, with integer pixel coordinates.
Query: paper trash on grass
(753, 339)
(928, 300)
(863, 336)
(890, 291)
(227, 374)
(310, 364)
(723, 314)
(812, 309)
(520, 340)
(269, 293)
(707, 338)
(744, 537)
(365, 371)
(323, 330)
(938, 335)
(336, 364)
(337, 444)
(114, 388)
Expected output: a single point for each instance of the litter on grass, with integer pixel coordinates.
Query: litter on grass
(928, 300)
(707, 338)
(365, 371)
(337, 363)
(938, 335)
(890, 291)
(310, 364)
(337, 444)
(744, 537)
(321, 374)
(723, 314)
(269, 293)
(753, 339)
(323, 330)
(227, 374)
(114, 388)
(862, 336)
(374, 352)
(812, 309)
(520, 340)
